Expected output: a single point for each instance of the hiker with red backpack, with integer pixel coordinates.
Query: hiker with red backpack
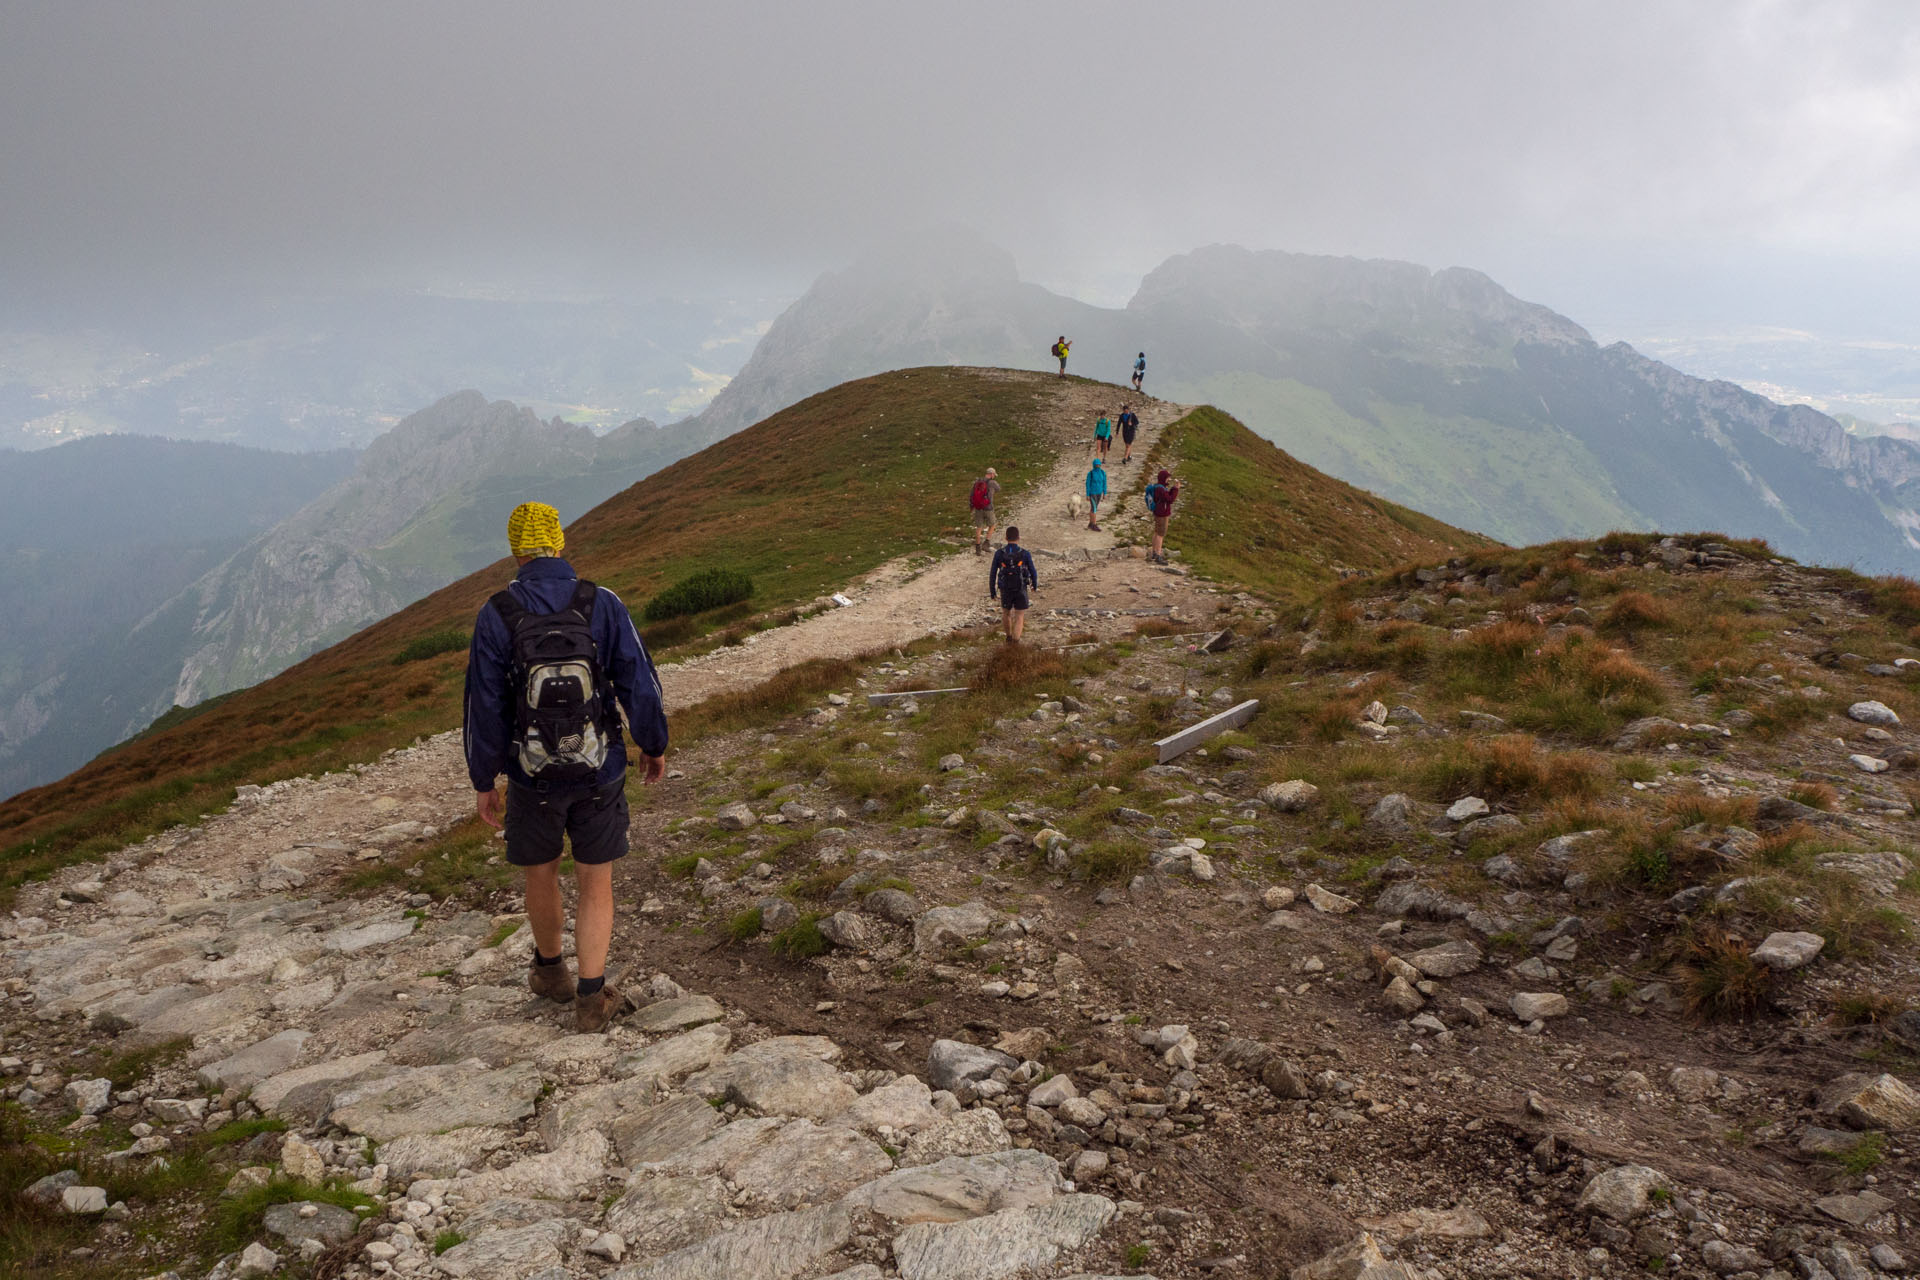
(1060, 348)
(985, 489)
(553, 662)
(1161, 495)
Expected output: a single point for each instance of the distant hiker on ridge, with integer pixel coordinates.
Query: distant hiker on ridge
(1060, 349)
(1161, 495)
(553, 662)
(1096, 490)
(1009, 577)
(1139, 369)
(1129, 427)
(985, 489)
(1103, 435)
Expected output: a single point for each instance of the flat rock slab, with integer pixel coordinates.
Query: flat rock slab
(435, 1099)
(972, 1132)
(806, 1164)
(327, 1223)
(677, 1015)
(256, 1062)
(792, 1084)
(904, 1106)
(720, 1149)
(776, 1247)
(285, 1093)
(952, 1063)
(440, 1155)
(358, 937)
(654, 1134)
(576, 1168)
(201, 1017)
(1448, 960)
(1871, 1102)
(659, 1215)
(667, 1060)
(494, 1043)
(598, 1106)
(1000, 1244)
(1855, 1210)
(962, 1187)
(942, 927)
(509, 1253)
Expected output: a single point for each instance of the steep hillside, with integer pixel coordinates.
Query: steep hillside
(806, 502)
(1437, 390)
(96, 534)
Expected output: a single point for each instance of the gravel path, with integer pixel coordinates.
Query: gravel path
(908, 598)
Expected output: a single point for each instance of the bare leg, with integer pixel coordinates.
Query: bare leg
(1016, 624)
(1006, 620)
(593, 918)
(545, 910)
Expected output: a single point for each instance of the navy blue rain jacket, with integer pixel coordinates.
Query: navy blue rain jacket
(1018, 560)
(545, 585)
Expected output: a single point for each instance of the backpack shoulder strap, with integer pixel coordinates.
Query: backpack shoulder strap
(508, 606)
(585, 593)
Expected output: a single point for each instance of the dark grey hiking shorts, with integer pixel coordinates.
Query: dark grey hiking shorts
(594, 819)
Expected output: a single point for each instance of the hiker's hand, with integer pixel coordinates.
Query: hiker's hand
(654, 769)
(492, 807)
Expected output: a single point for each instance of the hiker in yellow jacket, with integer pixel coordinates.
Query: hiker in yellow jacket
(1060, 349)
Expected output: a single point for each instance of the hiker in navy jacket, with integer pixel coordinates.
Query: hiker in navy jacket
(541, 815)
(1009, 576)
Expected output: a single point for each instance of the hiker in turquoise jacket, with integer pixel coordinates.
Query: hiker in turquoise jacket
(1096, 490)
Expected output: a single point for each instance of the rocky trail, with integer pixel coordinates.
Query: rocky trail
(919, 596)
(934, 992)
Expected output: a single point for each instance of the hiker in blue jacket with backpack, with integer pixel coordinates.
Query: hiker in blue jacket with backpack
(553, 662)
(1009, 577)
(1096, 490)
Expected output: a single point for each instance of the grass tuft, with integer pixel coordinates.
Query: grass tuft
(1722, 981)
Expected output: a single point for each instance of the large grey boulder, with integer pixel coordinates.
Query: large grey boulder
(903, 1106)
(1871, 1102)
(1001, 1244)
(660, 1131)
(289, 1091)
(200, 1017)
(783, 1076)
(807, 1164)
(1622, 1193)
(972, 1132)
(667, 1060)
(1872, 712)
(952, 1063)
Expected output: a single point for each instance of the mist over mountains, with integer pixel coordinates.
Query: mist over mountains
(1439, 390)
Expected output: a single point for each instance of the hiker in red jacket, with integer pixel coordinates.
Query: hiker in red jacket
(985, 490)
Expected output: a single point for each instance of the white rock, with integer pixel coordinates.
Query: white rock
(84, 1200)
(1871, 712)
(1053, 1091)
(1467, 808)
(1530, 1005)
(1289, 797)
(300, 1160)
(90, 1097)
(1868, 764)
(1622, 1193)
(1001, 1244)
(1782, 951)
(1327, 901)
(735, 817)
(256, 1260)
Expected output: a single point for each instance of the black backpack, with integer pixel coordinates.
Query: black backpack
(1011, 579)
(563, 707)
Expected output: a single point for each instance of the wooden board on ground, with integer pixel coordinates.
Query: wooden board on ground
(1178, 744)
(882, 699)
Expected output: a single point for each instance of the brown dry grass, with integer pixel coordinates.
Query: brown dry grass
(1720, 979)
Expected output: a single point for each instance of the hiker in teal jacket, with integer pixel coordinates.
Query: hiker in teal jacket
(1096, 490)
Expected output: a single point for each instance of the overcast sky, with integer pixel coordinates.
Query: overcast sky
(1627, 163)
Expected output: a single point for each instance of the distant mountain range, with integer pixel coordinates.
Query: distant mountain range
(209, 567)
(324, 372)
(1439, 390)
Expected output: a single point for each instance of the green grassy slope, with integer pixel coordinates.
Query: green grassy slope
(813, 496)
(1253, 514)
(1516, 484)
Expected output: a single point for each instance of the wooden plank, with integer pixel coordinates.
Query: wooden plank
(1178, 744)
(882, 699)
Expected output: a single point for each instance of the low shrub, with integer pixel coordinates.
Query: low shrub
(1635, 611)
(801, 940)
(432, 645)
(1722, 980)
(707, 589)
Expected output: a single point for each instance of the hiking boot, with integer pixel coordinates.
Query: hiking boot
(550, 980)
(593, 1013)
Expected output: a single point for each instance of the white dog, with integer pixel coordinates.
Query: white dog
(1076, 507)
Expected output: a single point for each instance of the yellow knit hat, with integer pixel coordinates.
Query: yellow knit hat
(534, 529)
